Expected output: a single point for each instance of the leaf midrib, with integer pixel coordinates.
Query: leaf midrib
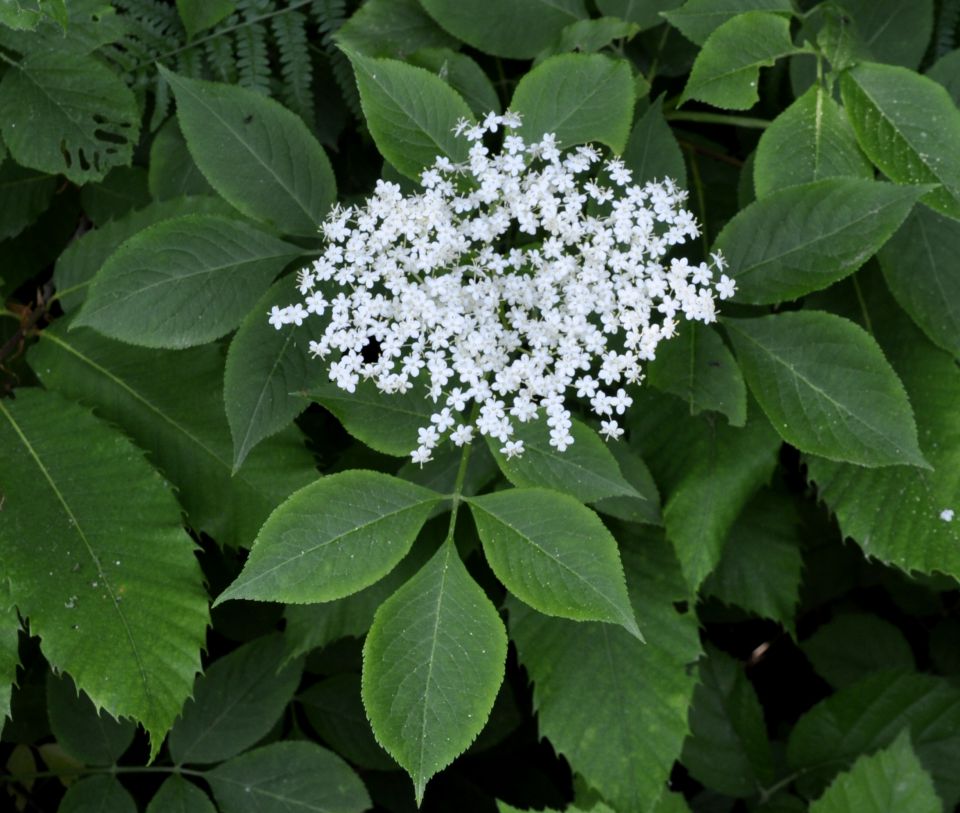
(563, 565)
(236, 134)
(244, 449)
(559, 460)
(46, 334)
(340, 537)
(119, 298)
(902, 137)
(822, 237)
(797, 375)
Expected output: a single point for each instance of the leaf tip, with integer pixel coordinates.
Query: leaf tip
(631, 626)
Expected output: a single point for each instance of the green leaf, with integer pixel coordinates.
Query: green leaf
(266, 371)
(579, 97)
(761, 565)
(76, 117)
(810, 140)
(590, 36)
(644, 13)
(700, 511)
(334, 708)
(827, 387)
(410, 112)
(891, 31)
(80, 729)
(889, 781)
(462, 74)
(332, 538)
(123, 612)
(807, 237)
(392, 28)
(433, 662)
(504, 27)
(868, 715)
(837, 652)
(707, 471)
(644, 506)
(235, 703)
(946, 71)
(257, 154)
(95, 794)
(697, 366)
(171, 404)
(15, 16)
(288, 776)
(587, 470)
(698, 19)
(198, 15)
(728, 750)
(387, 423)
(912, 537)
(310, 626)
(614, 707)
(727, 69)
(177, 795)
(652, 153)
(122, 191)
(24, 196)
(908, 126)
(172, 172)
(9, 658)
(919, 265)
(82, 258)
(554, 554)
(183, 282)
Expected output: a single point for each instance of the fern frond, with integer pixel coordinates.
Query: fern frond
(329, 15)
(253, 65)
(296, 69)
(221, 61)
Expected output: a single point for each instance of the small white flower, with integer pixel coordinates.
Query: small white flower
(462, 435)
(610, 429)
(509, 331)
(277, 319)
(512, 448)
(947, 515)
(726, 288)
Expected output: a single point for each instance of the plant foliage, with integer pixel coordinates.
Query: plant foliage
(225, 586)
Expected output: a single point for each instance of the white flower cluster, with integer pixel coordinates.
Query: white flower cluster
(511, 279)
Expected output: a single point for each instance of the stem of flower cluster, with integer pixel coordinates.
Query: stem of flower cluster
(457, 493)
(456, 496)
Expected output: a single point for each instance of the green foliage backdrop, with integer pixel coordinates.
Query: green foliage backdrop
(223, 588)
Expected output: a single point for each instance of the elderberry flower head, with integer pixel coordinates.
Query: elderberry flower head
(509, 280)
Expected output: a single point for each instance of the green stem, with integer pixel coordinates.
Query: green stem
(112, 769)
(863, 305)
(70, 290)
(456, 496)
(701, 199)
(768, 793)
(656, 57)
(719, 118)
